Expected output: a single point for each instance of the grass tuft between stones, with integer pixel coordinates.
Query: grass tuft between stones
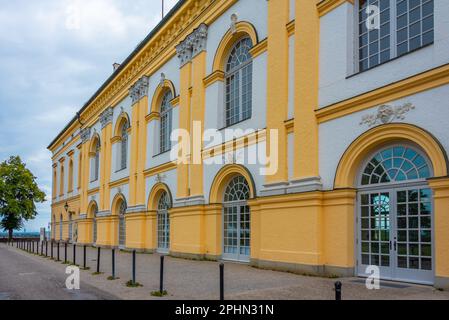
(159, 294)
(132, 284)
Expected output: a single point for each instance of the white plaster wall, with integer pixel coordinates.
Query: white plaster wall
(336, 56)
(431, 114)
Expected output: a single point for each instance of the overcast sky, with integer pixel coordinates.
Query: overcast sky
(54, 54)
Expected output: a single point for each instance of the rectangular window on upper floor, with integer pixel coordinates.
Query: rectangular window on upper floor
(388, 29)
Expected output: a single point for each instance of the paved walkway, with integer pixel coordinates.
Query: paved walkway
(187, 279)
(25, 277)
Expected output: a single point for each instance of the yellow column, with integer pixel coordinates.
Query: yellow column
(103, 157)
(440, 187)
(134, 154)
(184, 123)
(141, 157)
(107, 158)
(139, 94)
(306, 89)
(198, 105)
(84, 177)
(277, 83)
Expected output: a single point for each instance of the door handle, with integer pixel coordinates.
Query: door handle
(395, 245)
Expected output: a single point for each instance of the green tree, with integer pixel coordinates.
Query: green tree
(19, 194)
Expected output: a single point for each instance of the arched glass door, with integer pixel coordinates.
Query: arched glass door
(94, 225)
(122, 225)
(236, 221)
(395, 216)
(163, 223)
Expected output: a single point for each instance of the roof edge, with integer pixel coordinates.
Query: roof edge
(124, 64)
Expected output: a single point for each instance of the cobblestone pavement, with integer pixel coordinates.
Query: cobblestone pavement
(188, 279)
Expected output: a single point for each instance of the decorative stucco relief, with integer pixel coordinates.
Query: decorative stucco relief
(386, 114)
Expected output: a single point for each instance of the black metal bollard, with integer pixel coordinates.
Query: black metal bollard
(84, 257)
(113, 263)
(221, 281)
(46, 248)
(74, 254)
(134, 267)
(98, 259)
(161, 280)
(42, 248)
(65, 252)
(58, 253)
(51, 248)
(338, 290)
(32, 246)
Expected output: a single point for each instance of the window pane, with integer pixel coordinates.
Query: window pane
(239, 83)
(414, 19)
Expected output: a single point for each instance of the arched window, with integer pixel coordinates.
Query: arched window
(96, 161)
(166, 122)
(124, 145)
(55, 183)
(239, 73)
(94, 223)
(395, 164)
(395, 215)
(163, 223)
(122, 224)
(70, 188)
(236, 220)
(237, 190)
(61, 181)
(80, 167)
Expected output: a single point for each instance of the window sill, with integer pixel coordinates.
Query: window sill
(391, 60)
(161, 153)
(226, 127)
(121, 170)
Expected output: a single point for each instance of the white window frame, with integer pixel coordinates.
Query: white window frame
(238, 72)
(393, 36)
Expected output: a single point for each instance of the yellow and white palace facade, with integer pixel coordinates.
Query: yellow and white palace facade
(347, 99)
